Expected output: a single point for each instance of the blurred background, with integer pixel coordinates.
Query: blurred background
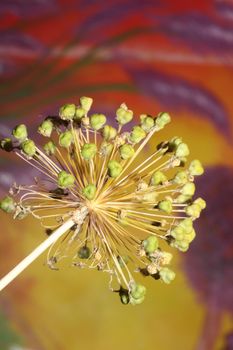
(155, 55)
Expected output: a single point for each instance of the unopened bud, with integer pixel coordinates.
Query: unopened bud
(89, 191)
(88, 151)
(115, 168)
(65, 180)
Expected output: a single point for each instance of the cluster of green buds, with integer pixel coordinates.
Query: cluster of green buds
(129, 206)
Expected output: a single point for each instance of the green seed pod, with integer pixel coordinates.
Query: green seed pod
(97, 121)
(88, 151)
(29, 148)
(84, 252)
(182, 199)
(136, 301)
(106, 148)
(79, 113)
(196, 168)
(123, 115)
(65, 180)
(158, 178)
(178, 233)
(193, 210)
(89, 191)
(187, 225)
(162, 119)
(137, 291)
(7, 204)
(65, 139)
(50, 148)
(86, 103)
(126, 151)
(150, 244)
(188, 189)
(67, 112)
(147, 122)
(137, 134)
(201, 202)
(182, 150)
(167, 275)
(6, 144)
(181, 177)
(190, 236)
(166, 206)
(182, 245)
(46, 128)
(20, 132)
(109, 132)
(114, 168)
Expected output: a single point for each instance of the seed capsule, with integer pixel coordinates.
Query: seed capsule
(196, 168)
(97, 121)
(7, 204)
(126, 151)
(109, 132)
(65, 180)
(20, 132)
(89, 191)
(86, 103)
(114, 168)
(46, 128)
(166, 206)
(88, 151)
(123, 114)
(182, 150)
(50, 148)
(162, 119)
(65, 139)
(137, 134)
(150, 244)
(67, 112)
(167, 275)
(29, 148)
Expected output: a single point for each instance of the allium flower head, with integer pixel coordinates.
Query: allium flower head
(117, 208)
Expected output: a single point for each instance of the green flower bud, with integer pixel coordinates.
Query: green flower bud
(79, 113)
(124, 115)
(114, 168)
(196, 168)
(7, 204)
(193, 210)
(86, 103)
(67, 112)
(167, 275)
(187, 225)
(182, 150)
(89, 191)
(109, 132)
(166, 206)
(20, 132)
(126, 151)
(182, 245)
(162, 119)
(190, 236)
(84, 252)
(46, 128)
(150, 244)
(201, 202)
(65, 139)
(137, 134)
(188, 189)
(136, 301)
(97, 121)
(158, 178)
(147, 122)
(137, 291)
(181, 177)
(106, 148)
(182, 199)
(6, 144)
(65, 180)
(88, 151)
(50, 148)
(29, 148)
(178, 233)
